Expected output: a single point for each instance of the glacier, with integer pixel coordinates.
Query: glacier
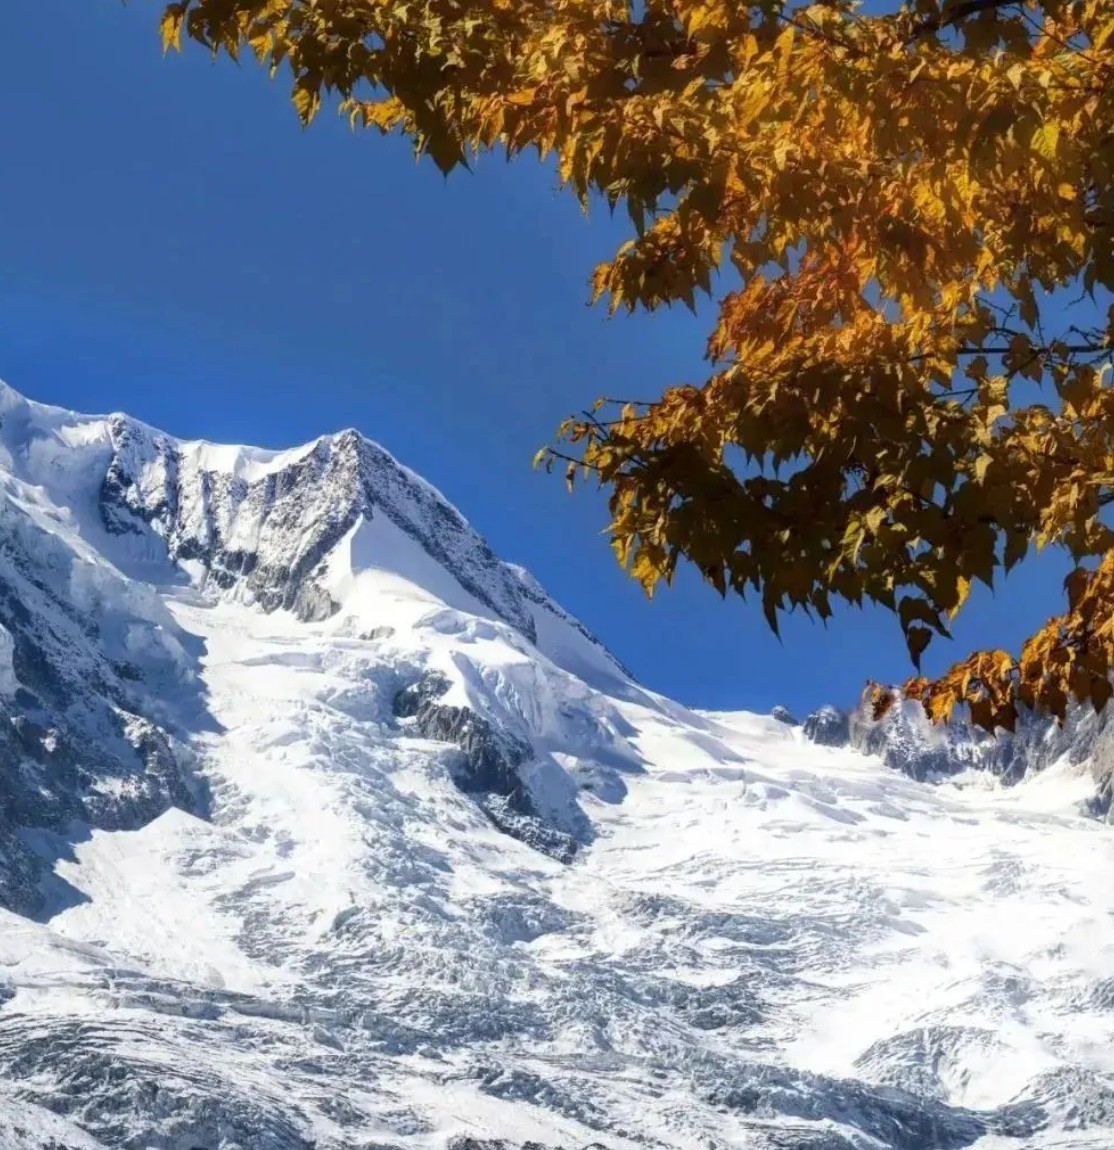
(323, 828)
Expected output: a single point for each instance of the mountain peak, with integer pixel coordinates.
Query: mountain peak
(292, 529)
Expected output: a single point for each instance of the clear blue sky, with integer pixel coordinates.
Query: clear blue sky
(173, 245)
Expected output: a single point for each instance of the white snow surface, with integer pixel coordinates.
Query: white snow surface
(760, 942)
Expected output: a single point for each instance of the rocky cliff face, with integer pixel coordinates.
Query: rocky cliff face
(905, 741)
(490, 768)
(84, 739)
(265, 528)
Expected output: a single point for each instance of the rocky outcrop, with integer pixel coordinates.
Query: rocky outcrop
(78, 748)
(266, 532)
(464, 1142)
(828, 727)
(490, 767)
(906, 741)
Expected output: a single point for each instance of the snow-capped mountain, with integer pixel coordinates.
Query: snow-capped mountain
(322, 827)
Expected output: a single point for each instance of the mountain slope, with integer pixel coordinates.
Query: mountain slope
(322, 827)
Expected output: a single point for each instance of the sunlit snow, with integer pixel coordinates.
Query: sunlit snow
(760, 942)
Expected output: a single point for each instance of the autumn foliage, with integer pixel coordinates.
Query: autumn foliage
(890, 210)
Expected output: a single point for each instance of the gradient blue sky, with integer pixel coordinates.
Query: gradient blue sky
(172, 244)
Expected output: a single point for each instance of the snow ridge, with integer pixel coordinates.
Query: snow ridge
(265, 530)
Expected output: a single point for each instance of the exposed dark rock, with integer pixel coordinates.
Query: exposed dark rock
(827, 727)
(492, 757)
(410, 700)
(466, 1142)
(907, 742)
(298, 514)
(898, 1120)
(491, 762)
(529, 828)
(74, 749)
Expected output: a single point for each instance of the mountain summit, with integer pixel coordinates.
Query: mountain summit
(323, 828)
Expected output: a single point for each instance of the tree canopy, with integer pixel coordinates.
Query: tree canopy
(905, 219)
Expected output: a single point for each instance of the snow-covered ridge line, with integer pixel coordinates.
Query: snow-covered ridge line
(262, 525)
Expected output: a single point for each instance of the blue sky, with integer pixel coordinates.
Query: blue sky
(172, 244)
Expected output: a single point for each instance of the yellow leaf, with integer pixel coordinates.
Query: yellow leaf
(646, 572)
(963, 589)
(1102, 34)
(783, 48)
(1046, 140)
(306, 100)
(170, 27)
